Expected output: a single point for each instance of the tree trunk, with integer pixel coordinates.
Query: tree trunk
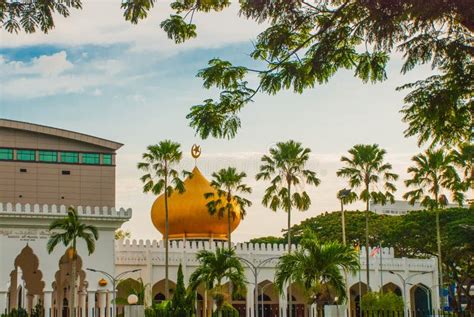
(343, 220)
(367, 265)
(166, 233)
(229, 241)
(72, 304)
(438, 244)
(290, 299)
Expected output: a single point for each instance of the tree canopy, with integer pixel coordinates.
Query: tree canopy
(307, 42)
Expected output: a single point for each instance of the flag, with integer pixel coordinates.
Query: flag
(375, 251)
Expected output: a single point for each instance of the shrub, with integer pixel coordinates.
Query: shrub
(374, 301)
(227, 310)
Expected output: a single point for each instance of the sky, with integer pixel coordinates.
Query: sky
(97, 74)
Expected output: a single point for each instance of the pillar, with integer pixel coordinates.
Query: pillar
(82, 307)
(3, 301)
(249, 301)
(91, 304)
(47, 296)
(102, 302)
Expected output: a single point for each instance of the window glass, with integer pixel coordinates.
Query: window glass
(25, 155)
(90, 158)
(107, 159)
(6, 154)
(69, 157)
(48, 156)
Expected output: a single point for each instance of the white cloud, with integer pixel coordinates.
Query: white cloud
(49, 75)
(45, 65)
(101, 22)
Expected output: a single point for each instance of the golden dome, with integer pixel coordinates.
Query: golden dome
(188, 216)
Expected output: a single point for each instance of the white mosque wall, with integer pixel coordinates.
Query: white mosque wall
(25, 227)
(149, 256)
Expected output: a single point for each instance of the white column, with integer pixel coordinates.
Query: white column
(102, 302)
(47, 296)
(3, 301)
(82, 307)
(249, 301)
(91, 303)
(110, 305)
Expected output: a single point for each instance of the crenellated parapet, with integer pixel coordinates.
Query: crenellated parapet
(138, 252)
(8, 209)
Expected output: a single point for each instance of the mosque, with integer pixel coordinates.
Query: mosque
(43, 170)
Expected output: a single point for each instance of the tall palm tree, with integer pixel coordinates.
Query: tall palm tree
(285, 168)
(227, 183)
(432, 174)
(216, 267)
(161, 176)
(366, 167)
(68, 231)
(317, 267)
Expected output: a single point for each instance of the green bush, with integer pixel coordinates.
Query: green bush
(374, 301)
(227, 310)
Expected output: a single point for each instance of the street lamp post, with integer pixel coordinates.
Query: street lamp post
(404, 283)
(344, 195)
(255, 269)
(114, 281)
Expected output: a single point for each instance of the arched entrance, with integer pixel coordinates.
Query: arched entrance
(420, 297)
(268, 299)
(391, 287)
(26, 282)
(158, 291)
(63, 287)
(238, 301)
(356, 292)
(298, 301)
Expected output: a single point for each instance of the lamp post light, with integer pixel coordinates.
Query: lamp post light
(404, 283)
(113, 280)
(255, 269)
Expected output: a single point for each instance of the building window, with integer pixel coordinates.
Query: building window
(90, 158)
(69, 157)
(48, 156)
(6, 154)
(107, 159)
(26, 155)
(66, 172)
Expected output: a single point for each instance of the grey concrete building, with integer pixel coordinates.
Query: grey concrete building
(45, 165)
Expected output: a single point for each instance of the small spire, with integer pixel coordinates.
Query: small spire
(195, 152)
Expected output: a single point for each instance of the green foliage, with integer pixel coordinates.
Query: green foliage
(37, 310)
(162, 309)
(214, 268)
(182, 302)
(68, 230)
(317, 266)
(228, 182)
(158, 164)
(365, 167)
(178, 29)
(375, 302)
(269, 239)
(227, 310)
(434, 172)
(411, 235)
(20, 312)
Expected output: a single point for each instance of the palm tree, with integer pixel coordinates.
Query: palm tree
(433, 173)
(366, 167)
(68, 231)
(227, 182)
(317, 267)
(213, 269)
(285, 167)
(161, 176)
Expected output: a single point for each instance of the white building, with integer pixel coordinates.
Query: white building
(29, 275)
(399, 207)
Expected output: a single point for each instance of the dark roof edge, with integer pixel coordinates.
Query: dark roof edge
(63, 133)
